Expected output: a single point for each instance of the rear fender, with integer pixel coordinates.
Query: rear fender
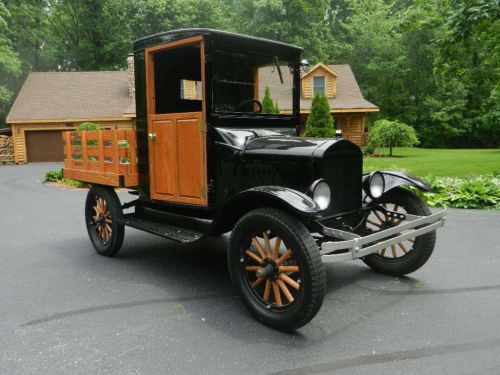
(290, 200)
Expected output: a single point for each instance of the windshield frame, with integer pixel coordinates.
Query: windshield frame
(291, 56)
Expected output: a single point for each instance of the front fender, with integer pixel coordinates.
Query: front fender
(287, 199)
(394, 179)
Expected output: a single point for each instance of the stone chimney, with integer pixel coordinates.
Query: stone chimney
(131, 76)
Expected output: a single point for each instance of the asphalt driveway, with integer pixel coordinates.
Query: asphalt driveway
(162, 308)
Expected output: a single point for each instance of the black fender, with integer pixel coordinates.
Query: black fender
(290, 200)
(394, 179)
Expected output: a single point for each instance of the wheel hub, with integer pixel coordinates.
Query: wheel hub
(269, 270)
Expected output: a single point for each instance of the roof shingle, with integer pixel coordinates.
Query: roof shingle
(72, 95)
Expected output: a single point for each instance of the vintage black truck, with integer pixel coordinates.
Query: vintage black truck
(205, 160)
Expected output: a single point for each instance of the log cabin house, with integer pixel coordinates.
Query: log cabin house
(337, 82)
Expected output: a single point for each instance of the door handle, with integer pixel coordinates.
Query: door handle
(152, 136)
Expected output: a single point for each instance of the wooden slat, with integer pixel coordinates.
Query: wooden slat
(101, 152)
(132, 149)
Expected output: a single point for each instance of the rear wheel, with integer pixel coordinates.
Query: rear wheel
(406, 256)
(103, 213)
(276, 267)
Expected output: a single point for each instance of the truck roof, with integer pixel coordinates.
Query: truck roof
(170, 36)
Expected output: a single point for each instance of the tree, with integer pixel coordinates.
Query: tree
(385, 133)
(10, 66)
(320, 121)
(300, 22)
(369, 41)
(469, 52)
(276, 108)
(268, 105)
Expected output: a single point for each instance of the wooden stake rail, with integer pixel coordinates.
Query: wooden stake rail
(105, 157)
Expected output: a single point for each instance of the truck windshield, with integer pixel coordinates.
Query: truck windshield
(241, 81)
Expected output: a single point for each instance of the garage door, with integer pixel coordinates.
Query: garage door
(44, 146)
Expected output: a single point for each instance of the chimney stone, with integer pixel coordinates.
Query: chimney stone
(131, 75)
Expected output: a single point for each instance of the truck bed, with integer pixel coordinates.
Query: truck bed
(104, 157)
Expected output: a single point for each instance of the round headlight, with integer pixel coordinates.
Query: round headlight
(321, 194)
(377, 185)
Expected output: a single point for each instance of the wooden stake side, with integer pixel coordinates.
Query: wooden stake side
(113, 164)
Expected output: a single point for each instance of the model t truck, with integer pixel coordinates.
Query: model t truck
(205, 160)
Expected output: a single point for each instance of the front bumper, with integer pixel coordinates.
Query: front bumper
(352, 246)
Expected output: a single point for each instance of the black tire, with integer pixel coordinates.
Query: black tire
(422, 247)
(98, 222)
(309, 274)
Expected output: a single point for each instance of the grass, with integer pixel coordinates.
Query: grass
(437, 162)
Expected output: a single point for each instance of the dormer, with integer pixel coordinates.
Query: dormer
(320, 79)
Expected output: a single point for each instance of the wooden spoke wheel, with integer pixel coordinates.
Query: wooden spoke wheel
(272, 270)
(276, 268)
(102, 220)
(378, 221)
(102, 214)
(406, 256)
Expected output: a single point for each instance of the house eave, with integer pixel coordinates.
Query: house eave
(46, 121)
(341, 110)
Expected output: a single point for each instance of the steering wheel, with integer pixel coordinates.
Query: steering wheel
(259, 104)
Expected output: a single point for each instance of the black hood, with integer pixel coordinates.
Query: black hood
(253, 142)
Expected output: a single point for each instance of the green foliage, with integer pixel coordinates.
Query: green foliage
(320, 122)
(482, 192)
(276, 108)
(385, 133)
(268, 105)
(53, 176)
(57, 176)
(369, 149)
(88, 126)
(9, 64)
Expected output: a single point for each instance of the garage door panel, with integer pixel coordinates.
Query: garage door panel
(43, 146)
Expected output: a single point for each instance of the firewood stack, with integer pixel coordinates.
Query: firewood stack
(6, 150)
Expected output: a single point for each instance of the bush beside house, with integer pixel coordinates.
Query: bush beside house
(268, 105)
(320, 122)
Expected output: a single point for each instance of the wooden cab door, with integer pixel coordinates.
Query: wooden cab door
(177, 142)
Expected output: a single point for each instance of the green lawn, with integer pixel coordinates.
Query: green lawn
(437, 162)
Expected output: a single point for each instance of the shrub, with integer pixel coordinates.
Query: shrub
(89, 126)
(57, 176)
(482, 192)
(53, 176)
(369, 150)
(268, 105)
(385, 133)
(276, 108)
(320, 122)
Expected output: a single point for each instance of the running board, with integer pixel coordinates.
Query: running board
(162, 229)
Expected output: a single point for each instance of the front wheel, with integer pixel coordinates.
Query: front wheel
(276, 268)
(406, 256)
(103, 213)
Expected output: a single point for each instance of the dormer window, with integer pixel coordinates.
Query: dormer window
(319, 85)
(321, 79)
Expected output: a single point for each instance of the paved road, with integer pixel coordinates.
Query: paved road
(161, 308)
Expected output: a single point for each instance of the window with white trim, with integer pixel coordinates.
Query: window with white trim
(319, 85)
